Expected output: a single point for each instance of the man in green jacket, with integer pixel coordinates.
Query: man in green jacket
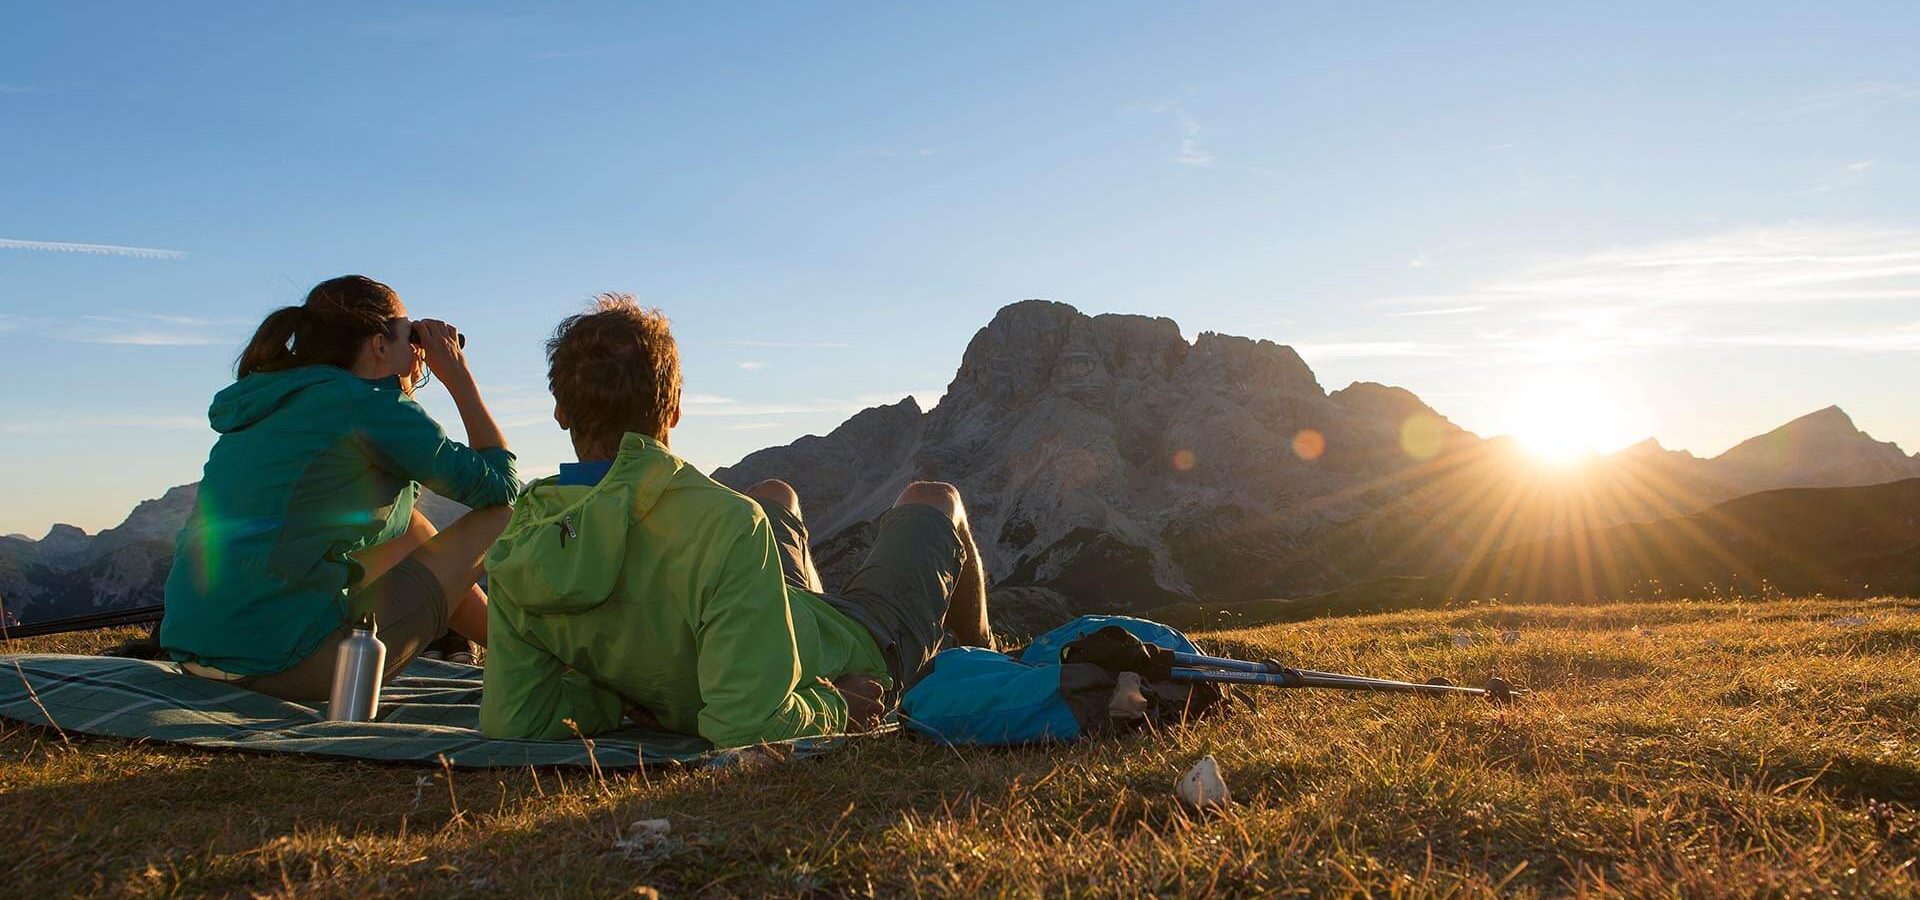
(632, 582)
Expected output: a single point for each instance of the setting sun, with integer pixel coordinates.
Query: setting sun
(1564, 418)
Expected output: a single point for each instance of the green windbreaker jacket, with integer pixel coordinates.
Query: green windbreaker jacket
(313, 463)
(661, 588)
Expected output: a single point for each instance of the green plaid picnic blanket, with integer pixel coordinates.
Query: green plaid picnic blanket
(430, 712)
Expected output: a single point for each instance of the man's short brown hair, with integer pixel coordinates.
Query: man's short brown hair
(613, 370)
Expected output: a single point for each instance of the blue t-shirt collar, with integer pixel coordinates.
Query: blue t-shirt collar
(586, 473)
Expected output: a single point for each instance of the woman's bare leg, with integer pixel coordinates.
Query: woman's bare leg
(379, 559)
(453, 556)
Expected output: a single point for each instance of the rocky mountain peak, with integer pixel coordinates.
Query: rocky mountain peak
(158, 519)
(1821, 448)
(1251, 365)
(1082, 443)
(1829, 422)
(843, 476)
(1384, 401)
(1039, 348)
(1013, 357)
(63, 544)
(1652, 449)
(1648, 446)
(1820, 429)
(61, 532)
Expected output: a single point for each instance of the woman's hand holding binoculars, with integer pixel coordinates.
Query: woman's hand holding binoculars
(444, 348)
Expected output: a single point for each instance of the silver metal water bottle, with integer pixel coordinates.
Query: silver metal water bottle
(357, 670)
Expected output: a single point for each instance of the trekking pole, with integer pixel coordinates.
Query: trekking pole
(1219, 669)
(1117, 650)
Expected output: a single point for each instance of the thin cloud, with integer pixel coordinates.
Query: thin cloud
(164, 319)
(136, 329)
(1191, 153)
(752, 365)
(150, 339)
(1449, 311)
(723, 407)
(740, 410)
(1751, 287)
(921, 152)
(1865, 98)
(194, 321)
(86, 424)
(17, 89)
(1371, 350)
(805, 345)
(1790, 265)
(1863, 342)
(1849, 175)
(94, 249)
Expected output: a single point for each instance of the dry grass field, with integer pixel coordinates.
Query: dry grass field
(1686, 749)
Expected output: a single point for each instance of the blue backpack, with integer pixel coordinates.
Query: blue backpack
(981, 697)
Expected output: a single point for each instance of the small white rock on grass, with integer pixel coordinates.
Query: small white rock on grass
(1202, 788)
(646, 840)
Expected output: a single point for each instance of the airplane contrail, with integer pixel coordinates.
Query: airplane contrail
(98, 249)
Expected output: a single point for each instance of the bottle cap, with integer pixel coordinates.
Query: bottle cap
(365, 623)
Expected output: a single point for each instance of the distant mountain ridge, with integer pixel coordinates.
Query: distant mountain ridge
(1111, 465)
(69, 573)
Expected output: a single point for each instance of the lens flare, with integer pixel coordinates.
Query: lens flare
(1422, 436)
(1309, 444)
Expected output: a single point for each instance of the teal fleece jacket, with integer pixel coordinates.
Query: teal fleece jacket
(312, 464)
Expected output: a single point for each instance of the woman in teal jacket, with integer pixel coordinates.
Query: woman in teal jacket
(305, 518)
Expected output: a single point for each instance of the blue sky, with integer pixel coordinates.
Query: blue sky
(1701, 219)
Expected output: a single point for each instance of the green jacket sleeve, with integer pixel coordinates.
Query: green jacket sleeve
(529, 693)
(749, 664)
(399, 435)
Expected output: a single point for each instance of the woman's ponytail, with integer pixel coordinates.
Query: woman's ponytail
(338, 317)
(272, 346)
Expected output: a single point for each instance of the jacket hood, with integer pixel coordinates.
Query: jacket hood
(256, 396)
(566, 544)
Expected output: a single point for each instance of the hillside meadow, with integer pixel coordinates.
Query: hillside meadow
(1672, 748)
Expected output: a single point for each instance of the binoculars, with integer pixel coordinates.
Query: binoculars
(413, 337)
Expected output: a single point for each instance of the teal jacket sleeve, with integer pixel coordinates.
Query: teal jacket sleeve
(530, 694)
(749, 663)
(398, 435)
